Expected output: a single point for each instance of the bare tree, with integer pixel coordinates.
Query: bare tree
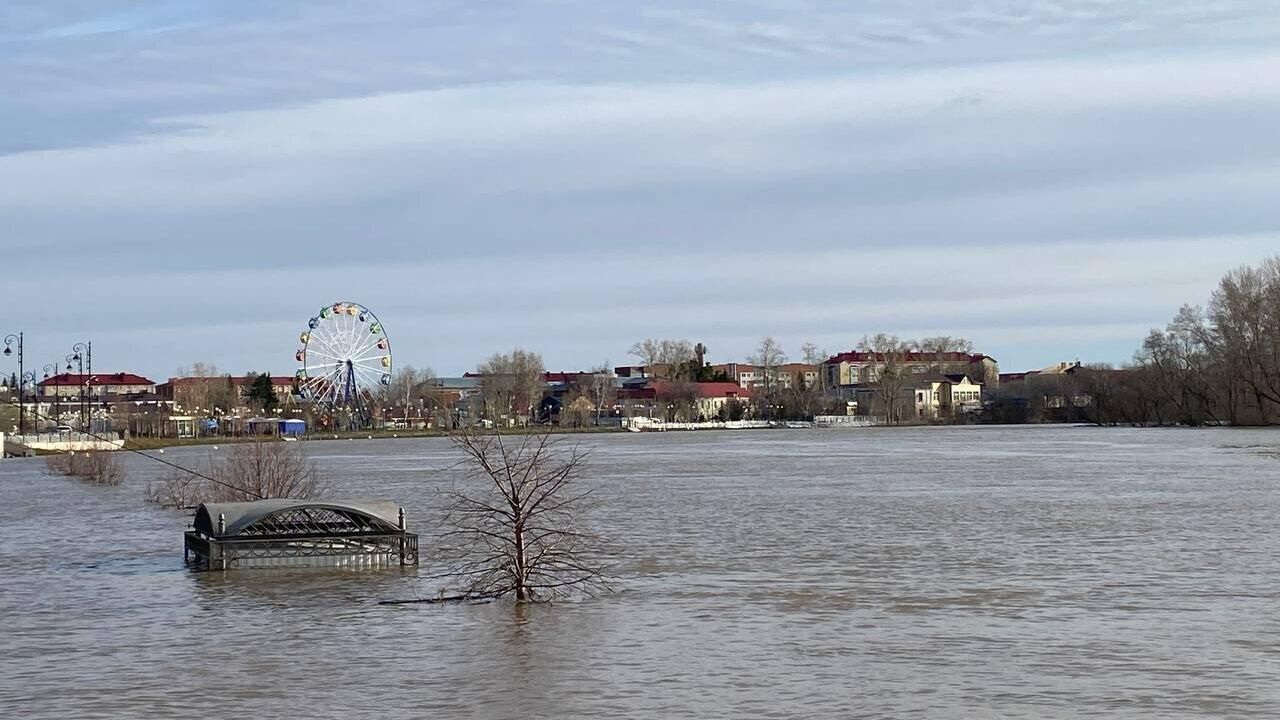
(100, 467)
(663, 358)
(891, 377)
(1223, 365)
(1244, 313)
(603, 391)
(516, 527)
(511, 384)
(815, 357)
(811, 355)
(198, 370)
(408, 388)
(677, 401)
(940, 351)
(945, 344)
(248, 471)
(767, 357)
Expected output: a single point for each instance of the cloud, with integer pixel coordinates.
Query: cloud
(650, 171)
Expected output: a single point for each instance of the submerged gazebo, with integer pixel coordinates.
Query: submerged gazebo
(290, 533)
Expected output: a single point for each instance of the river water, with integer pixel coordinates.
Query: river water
(1030, 572)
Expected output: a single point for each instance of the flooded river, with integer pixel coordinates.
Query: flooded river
(880, 573)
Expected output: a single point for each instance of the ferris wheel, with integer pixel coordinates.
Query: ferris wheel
(344, 360)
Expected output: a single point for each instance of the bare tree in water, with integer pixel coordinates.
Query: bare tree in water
(248, 471)
(517, 526)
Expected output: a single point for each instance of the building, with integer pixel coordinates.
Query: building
(856, 367)
(72, 385)
(744, 374)
(220, 394)
(961, 395)
(781, 377)
(789, 374)
(924, 398)
(1052, 394)
(683, 402)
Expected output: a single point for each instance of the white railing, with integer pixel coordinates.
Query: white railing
(68, 441)
(846, 421)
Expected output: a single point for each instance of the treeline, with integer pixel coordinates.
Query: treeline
(1213, 365)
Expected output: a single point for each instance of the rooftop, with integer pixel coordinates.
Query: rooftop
(78, 380)
(236, 380)
(913, 356)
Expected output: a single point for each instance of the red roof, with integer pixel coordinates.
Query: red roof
(77, 380)
(704, 390)
(860, 356)
(565, 377)
(237, 380)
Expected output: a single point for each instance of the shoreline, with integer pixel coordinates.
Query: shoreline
(153, 443)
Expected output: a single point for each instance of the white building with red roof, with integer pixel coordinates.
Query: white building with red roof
(101, 384)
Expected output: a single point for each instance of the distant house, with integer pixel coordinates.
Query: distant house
(65, 385)
(929, 397)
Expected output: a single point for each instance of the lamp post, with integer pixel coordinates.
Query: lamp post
(51, 370)
(8, 350)
(82, 356)
(84, 353)
(79, 378)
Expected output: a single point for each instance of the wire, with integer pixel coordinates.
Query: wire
(162, 461)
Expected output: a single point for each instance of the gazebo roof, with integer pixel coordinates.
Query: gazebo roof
(289, 516)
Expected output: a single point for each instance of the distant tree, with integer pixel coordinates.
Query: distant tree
(938, 347)
(261, 393)
(199, 370)
(663, 359)
(945, 344)
(802, 399)
(220, 396)
(511, 384)
(733, 410)
(602, 390)
(891, 377)
(678, 401)
(811, 355)
(408, 389)
(767, 357)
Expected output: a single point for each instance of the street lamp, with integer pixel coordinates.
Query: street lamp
(51, 370)
(9, 341)
(84, 352)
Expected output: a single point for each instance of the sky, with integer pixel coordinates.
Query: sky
(190, 182)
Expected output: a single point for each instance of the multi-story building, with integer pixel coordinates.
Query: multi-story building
(782, 376)
(857, 367)
(925, 398)
(66, 385)
(101, 402)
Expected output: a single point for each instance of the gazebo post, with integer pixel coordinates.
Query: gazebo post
(402, 562)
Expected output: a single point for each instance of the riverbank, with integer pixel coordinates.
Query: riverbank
(150, 443)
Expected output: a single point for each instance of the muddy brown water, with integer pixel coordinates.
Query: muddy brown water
(1031, 572)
